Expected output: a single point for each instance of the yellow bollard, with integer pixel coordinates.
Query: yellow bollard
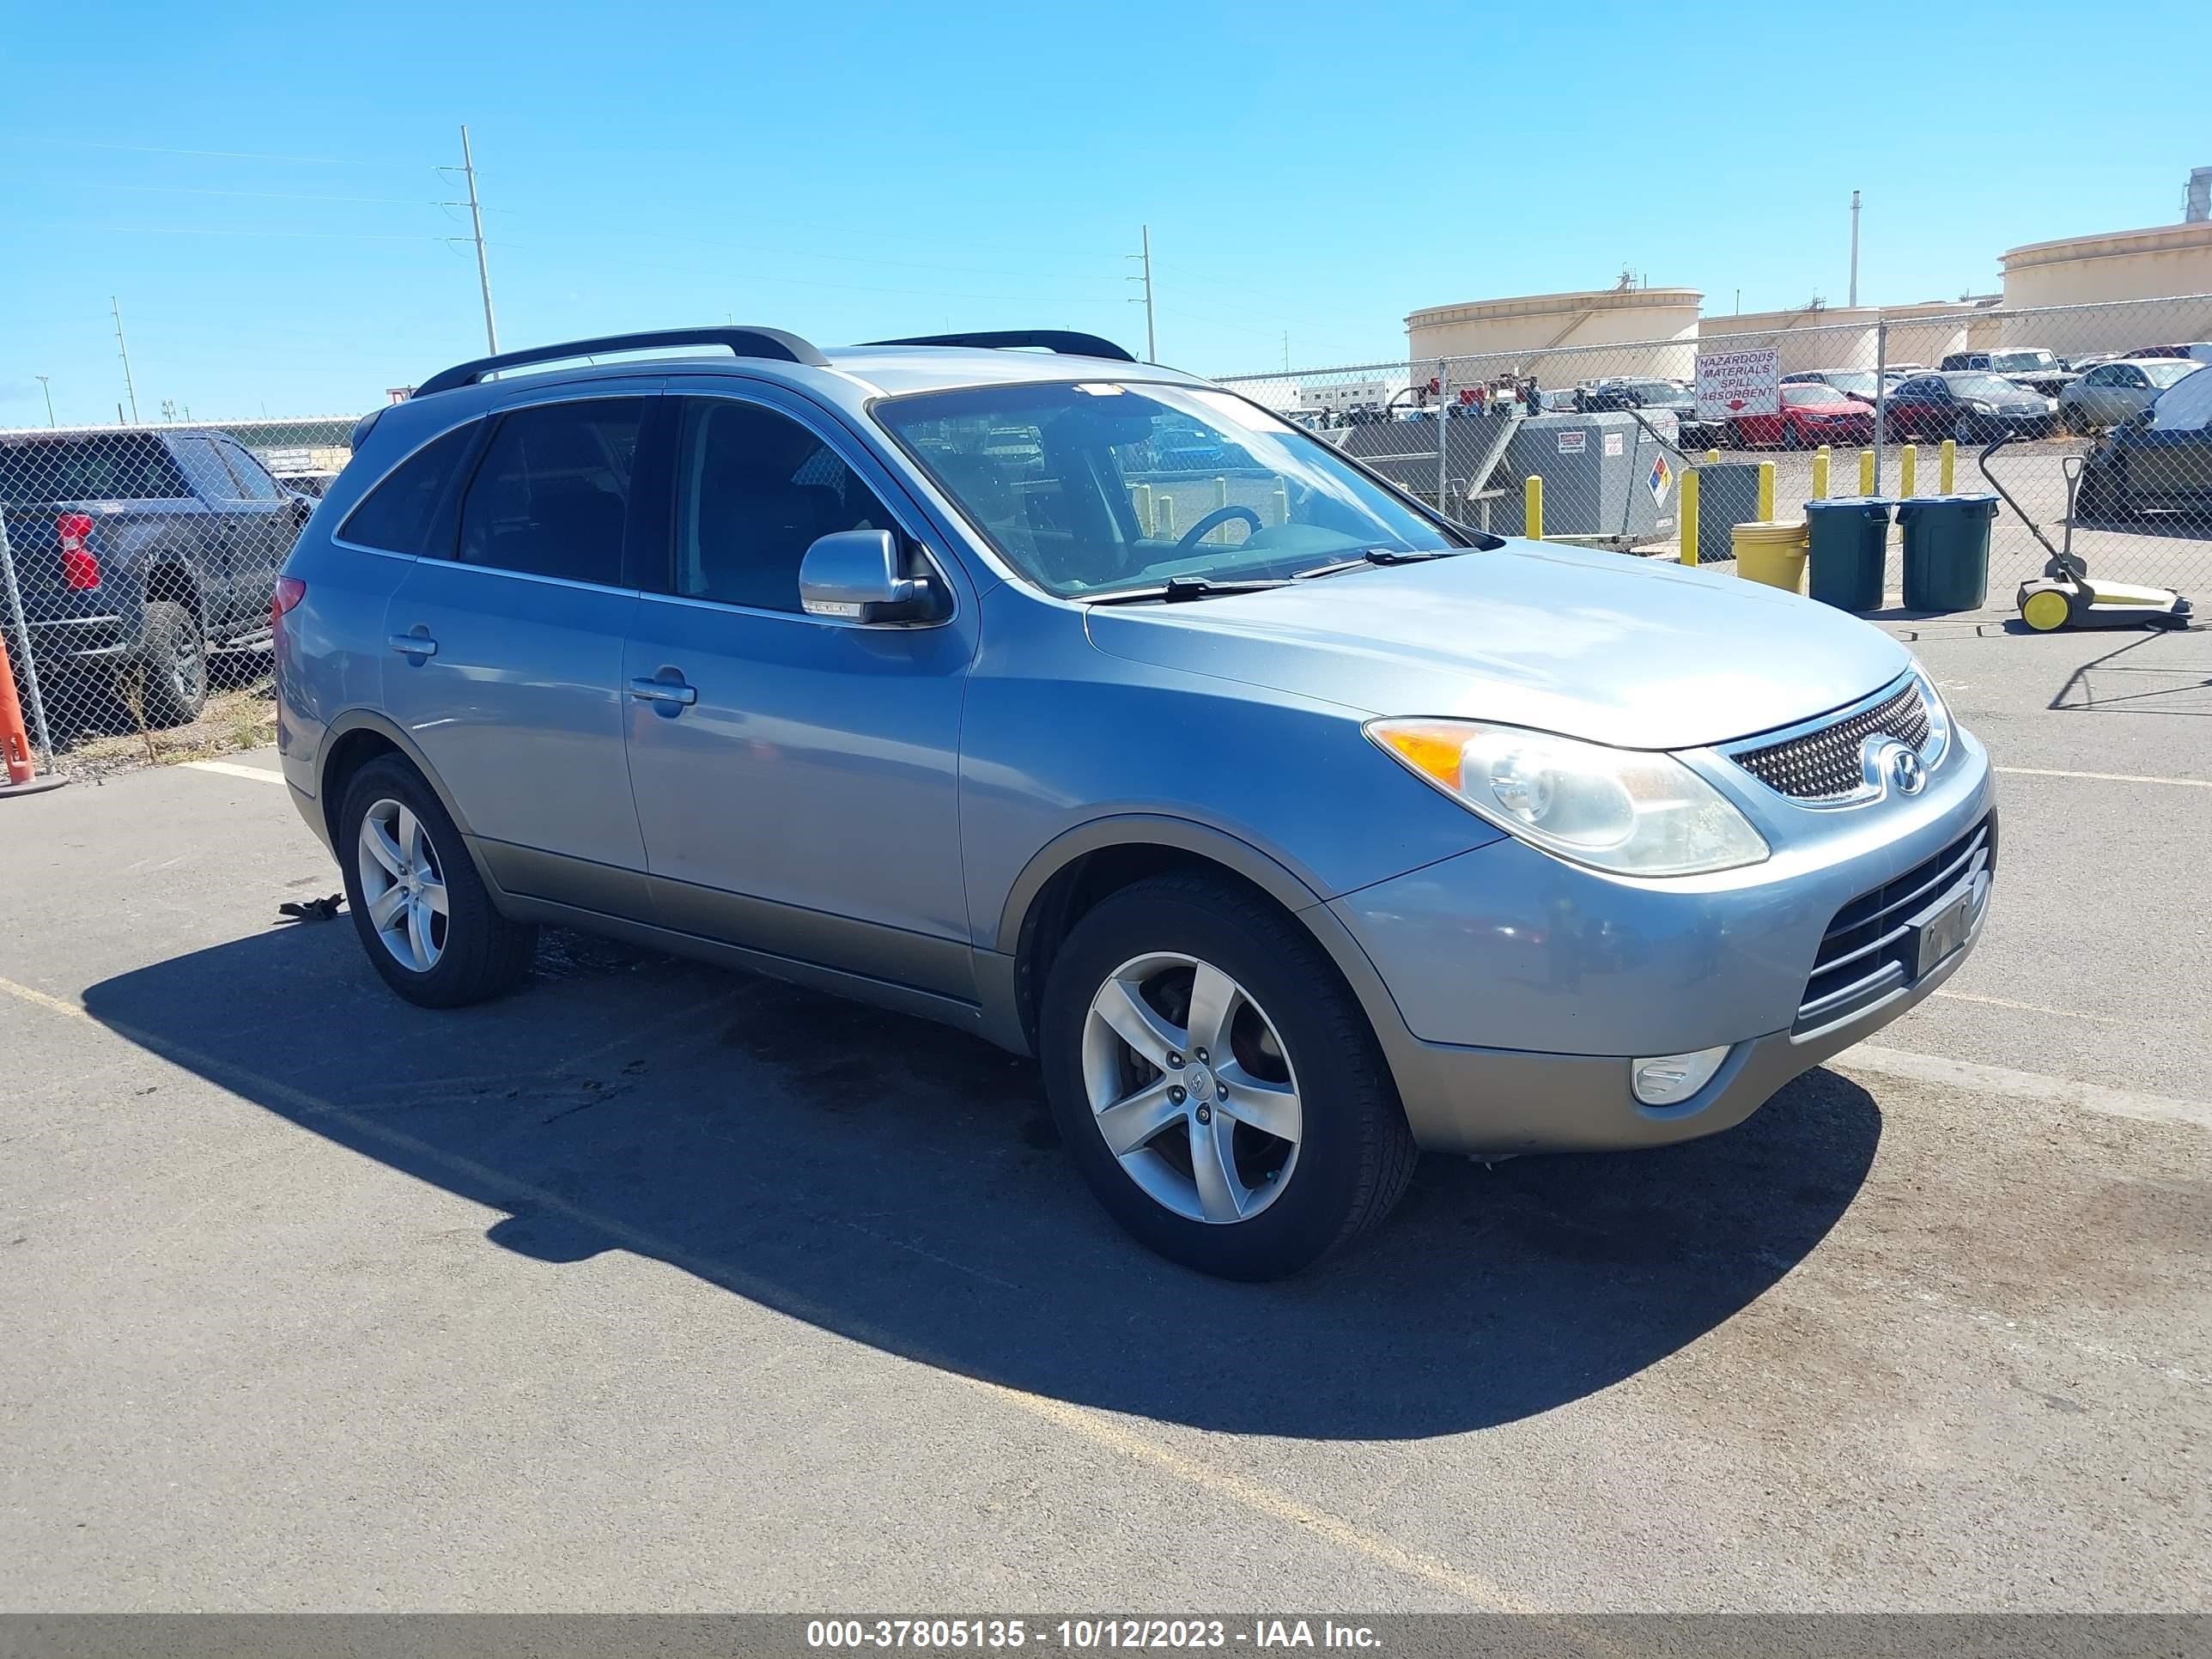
(1164, 518)
(1282, 505)
(1866, 473)
(1766, 492)
(1908, 469)
(1221, 499)
(1713, 458)
(1947, 472)
(1140, 496)
(1688, 512)
(1532, 508)
(1820, 473)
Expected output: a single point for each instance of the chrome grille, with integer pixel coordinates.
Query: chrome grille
(1867, 951)
(1823, 765)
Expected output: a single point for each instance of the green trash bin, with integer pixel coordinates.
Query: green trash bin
(1849, 546)
(1947, 551)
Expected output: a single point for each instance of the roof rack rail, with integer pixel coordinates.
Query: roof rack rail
(769, 342)
(1065, 341)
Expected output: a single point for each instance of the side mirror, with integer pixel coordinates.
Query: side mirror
(854, 576)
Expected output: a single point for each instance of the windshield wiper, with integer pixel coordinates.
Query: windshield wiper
(1373, 555)
(1178, 589)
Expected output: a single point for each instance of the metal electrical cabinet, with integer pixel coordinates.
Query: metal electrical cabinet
(1608, 478)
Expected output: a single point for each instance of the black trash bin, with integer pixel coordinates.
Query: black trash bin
(1850, 544)
(1947, 551)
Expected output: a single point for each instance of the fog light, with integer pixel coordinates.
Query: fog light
(1670, 1079)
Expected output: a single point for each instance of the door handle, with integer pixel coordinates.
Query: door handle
(414, 645)
(673, 692)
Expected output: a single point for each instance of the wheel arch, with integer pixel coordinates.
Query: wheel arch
(349, 742)
(1072, 874)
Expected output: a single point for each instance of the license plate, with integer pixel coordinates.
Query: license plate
(1944, 933)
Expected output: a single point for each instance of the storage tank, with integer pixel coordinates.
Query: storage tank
(1563, 338)
(2154, 264)
(1842, 336)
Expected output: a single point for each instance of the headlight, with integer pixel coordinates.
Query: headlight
(1939, 720)
(1983, 409)
(1628, 811)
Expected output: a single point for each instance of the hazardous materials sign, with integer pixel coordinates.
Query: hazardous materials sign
(1659, 479)
(1733, 383)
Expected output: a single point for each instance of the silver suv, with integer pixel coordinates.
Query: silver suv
(1097, 710)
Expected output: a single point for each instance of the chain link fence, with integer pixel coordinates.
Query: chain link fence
(1590, 442)
(137, 568)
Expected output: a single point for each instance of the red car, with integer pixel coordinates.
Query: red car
(1812, 414)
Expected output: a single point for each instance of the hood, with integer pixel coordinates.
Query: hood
(1616, 649)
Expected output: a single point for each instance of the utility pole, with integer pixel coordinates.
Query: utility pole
(1152, 345)
(468, 171)
(1286, 351)
(1855, 249)
(113, 306)
(45, 387)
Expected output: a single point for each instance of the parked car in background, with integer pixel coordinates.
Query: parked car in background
(1859, 383)
(1310, 832)
(1560, 400)
(2160, 459)
(1812, 414)
(2195, 351)
(2031, 366)
(1969, 405)
(2111, 392)
(1676, 398)
(137, 550)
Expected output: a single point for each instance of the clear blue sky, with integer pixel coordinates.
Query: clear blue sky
(257, 185)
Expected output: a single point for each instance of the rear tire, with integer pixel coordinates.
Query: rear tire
(172, 666)
(466, 951)
(1295, 1028)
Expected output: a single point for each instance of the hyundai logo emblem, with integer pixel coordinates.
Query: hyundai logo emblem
(1900, 768)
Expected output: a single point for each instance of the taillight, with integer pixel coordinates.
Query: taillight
(290, 590)
(80, 564)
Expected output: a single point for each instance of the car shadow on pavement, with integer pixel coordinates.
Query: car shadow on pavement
(901, 1184)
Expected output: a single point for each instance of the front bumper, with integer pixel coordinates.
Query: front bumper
(1520, 988)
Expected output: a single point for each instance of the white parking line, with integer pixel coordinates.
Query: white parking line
(2023, 1086)
(232, 770)
(2098, 777)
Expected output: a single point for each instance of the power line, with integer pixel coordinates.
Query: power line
(225, 155)
(261, 195)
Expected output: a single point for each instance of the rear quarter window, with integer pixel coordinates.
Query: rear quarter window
(411, 511)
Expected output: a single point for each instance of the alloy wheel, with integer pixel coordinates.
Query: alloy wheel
(1191, 1088)
(403, 886)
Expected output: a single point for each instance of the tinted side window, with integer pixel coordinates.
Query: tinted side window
(400, 515)
(552, 492)
(210, 480)
(254, 483)
(754, 488)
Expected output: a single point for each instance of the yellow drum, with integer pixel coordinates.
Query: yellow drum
(1772, 553)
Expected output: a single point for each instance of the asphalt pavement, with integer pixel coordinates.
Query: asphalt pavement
(655, 1287)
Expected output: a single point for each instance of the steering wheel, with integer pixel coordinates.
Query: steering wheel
(1214, 520)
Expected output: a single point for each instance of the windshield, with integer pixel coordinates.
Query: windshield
(1989, 387)
(2165, 374)
(1804, 394)
(2018, 363)
(1094, 488)
(1657, 391)
(1857, 383)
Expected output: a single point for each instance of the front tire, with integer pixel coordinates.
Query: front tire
(423, 912)
(1216, 1082)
